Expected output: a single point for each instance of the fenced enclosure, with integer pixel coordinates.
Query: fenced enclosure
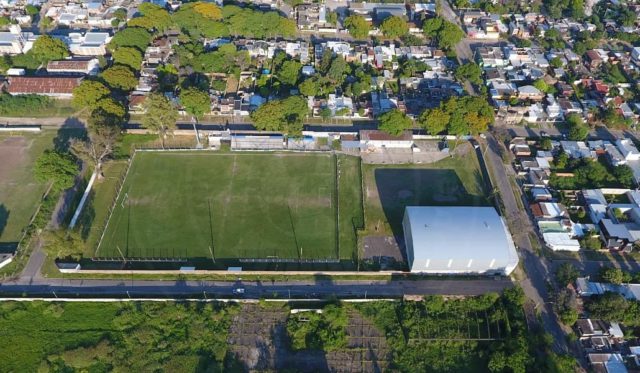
(217, 209)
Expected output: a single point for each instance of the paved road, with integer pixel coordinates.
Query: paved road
(536, 268)
(254, 289)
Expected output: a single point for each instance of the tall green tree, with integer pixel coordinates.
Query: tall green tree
(394, 27)
(195, 102)
(289, 72)
(394, 122)
(120, 77)
(566, 274)
(88, 93)
(135, 37)
(284, 116)
(358, 26)
(47, 48)
(470, 71)
(58, 168)
(160, 116)
(128, 56)
(434, 121)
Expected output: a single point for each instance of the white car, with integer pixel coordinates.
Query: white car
(238, 291)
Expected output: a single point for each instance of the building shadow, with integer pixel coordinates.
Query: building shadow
(402, 187)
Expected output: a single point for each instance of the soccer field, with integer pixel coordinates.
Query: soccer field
(231, 206)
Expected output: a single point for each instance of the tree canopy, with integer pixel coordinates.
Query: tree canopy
(289, 72)
(58, 168)
(470, 71)
(135, 37)
(394, 122)
(128, 56)
(154, 18)
(357, 25)
(462, 115)
(394, 27)
(195, 102)
(120, 77)
(445, 33)
(281, 115)
(160, 115)
(88, 93)
(578, 131)
(47, 48)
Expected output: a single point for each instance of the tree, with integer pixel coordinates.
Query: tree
(608, 306)
(545, 144)
(577, 130)
(566, 274)
(434, 121)
(394, 122)
(289, 72)
(555, 62)
(281, 115)
(195, 102)
(332, 18)
(624, 175)
(110, 106)
(47, 48)
(120, 77)
(154, 17)
(128, 56)
(31, 10)
(447, 34)
(88, 93)
(470, 71)
(160, 115)
(57, 168)
(612, 275)
(63, 244)
(309, 87)
(541, 85)
(208, 10)
(136, 37)
(325, 113)
(103, 135)
(357, 25)
(338, 69)
(394, 27)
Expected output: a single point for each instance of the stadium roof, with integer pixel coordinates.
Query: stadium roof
(460, 239)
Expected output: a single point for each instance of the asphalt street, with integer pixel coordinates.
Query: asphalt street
(538, 275)
(254, 289)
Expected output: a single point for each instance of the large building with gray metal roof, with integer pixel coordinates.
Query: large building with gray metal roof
(458, 240)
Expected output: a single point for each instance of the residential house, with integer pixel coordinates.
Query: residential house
(15, 41)
(529, 92)
(577, 149)
(89, 44)
(628, 150)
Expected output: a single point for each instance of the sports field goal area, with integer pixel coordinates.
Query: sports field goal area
(218, 206)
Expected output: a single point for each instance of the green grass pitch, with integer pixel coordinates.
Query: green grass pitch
(234, 205)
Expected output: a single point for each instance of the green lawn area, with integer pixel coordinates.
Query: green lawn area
(389, 189)
(101, 337)
(234, 205)
(20, 193)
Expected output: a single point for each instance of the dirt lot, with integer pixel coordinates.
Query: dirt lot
(19, 191)
(258, 339)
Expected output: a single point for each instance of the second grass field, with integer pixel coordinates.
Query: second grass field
(236, 205)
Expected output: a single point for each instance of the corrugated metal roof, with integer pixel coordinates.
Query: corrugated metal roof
(460, 239)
